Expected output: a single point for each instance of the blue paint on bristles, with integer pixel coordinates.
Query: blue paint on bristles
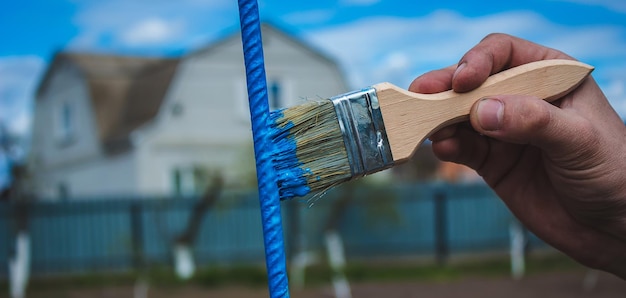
(291, 177)
(310, 155)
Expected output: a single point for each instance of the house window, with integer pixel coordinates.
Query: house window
(63, 191)
(177, 109)
(189, 181)
(278, 93)
(274, 94)
(65, 122)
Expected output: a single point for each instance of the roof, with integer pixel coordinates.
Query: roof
(125, 92)
(273, 28)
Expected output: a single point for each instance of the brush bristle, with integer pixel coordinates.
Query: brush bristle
(310, 153)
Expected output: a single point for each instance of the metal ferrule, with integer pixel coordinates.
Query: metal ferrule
(363, 131)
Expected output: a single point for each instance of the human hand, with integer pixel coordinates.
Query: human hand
(560, 167)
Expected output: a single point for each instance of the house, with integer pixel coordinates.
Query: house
(108, 125)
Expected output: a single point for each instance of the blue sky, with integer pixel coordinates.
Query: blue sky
(373, 40)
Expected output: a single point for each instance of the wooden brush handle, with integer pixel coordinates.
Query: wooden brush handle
(411, 117)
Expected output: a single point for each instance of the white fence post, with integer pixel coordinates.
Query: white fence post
(337, 260)
(518, 239)
(19, 266)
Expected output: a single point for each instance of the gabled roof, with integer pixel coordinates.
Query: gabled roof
(273, 28)
(125, 92)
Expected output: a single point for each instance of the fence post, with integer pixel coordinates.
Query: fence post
(19, 263)
(441, 220)
(518, 243)
(137, 230)
(293, 229)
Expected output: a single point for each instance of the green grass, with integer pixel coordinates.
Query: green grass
(493, 267)
(255, 276)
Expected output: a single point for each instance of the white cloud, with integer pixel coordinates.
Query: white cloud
(615, 92)
(308, 17)
(615, 5)
(612, 80)
(130, 25)
(615, 89)
(20, 75)
(393, 49)
(152, 31)
(589, 42)
(436, 40)
(397, 60)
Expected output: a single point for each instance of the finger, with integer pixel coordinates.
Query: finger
(464, 147)
(444, 133)
(490, 158)
(433, 81)
(495, 53)
(530, 120)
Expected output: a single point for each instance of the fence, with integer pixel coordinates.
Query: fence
(114, 234)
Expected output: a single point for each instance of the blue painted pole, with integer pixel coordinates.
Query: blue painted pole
(263, 147)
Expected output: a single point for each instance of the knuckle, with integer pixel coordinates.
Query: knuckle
(586, 135)
(496, 36)
(535, 116)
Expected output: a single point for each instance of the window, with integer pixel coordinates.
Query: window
(274, 94)
(177, 109)
(189, 181)
(65, 122)
(63, 191)
(279, 90)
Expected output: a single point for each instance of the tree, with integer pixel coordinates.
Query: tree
(182, 248)
(12, 177)
(7, 145)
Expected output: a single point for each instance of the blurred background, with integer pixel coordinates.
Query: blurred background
(126, 165)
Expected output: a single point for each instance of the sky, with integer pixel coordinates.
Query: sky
(372, 40)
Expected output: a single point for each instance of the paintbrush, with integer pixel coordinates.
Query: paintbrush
(321, 144)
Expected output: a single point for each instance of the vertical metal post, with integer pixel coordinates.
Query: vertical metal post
(294, 233)
(441, 233)
(137, 235)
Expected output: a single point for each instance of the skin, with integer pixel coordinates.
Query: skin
(560, 167)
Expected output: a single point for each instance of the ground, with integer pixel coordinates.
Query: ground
(568, 284)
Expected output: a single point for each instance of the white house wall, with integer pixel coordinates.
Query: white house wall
(98, 178)
(55, 157)
(315, 76)
(66, 86)
(213, 126)
(158, 166)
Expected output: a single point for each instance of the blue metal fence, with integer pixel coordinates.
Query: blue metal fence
(115, 234)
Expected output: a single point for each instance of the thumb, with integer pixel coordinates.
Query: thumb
(530, 120)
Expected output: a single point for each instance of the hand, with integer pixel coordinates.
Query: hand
(560, 167)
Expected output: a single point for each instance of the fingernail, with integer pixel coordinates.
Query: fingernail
(490, 112)
(458, 69)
